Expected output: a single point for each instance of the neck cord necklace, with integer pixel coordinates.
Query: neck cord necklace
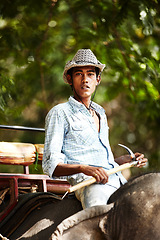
(90, 109)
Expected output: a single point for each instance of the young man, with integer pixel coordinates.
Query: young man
(76, 140)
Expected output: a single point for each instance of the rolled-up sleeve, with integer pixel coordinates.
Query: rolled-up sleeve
(54, 135)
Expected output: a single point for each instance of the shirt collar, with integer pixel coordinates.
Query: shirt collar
(78, 105)
(75, 104)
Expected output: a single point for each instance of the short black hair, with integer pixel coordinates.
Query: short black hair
(69, 72)
(97, 71)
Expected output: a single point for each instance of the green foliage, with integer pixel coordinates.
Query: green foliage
(36, 40)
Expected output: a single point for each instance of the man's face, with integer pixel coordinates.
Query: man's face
(84, 81)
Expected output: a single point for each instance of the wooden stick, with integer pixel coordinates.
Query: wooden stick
(109, 172)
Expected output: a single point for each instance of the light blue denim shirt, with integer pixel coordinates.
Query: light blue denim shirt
(72, 137)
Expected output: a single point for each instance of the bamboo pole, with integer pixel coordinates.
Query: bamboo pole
(109, 172)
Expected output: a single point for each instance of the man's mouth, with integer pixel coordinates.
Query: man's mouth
(85, 87)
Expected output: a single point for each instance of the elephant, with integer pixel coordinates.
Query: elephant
(133, 212)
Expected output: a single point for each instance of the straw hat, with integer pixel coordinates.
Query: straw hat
(83, 57)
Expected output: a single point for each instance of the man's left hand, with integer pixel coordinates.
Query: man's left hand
(141, 160)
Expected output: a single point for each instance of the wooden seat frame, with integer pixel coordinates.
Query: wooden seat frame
(36, 182)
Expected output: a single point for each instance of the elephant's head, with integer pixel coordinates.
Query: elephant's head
(136, 211)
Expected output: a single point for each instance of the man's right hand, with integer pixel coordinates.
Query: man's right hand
(97, 172)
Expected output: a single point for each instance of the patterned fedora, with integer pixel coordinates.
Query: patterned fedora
(83, 57)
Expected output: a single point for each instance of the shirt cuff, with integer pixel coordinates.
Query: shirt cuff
(54, 161)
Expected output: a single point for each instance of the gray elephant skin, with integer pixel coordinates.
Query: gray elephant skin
(133, 213)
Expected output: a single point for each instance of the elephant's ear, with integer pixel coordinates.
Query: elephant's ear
(103, 225)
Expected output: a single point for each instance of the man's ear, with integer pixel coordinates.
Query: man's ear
(69, 79)
(98, 80)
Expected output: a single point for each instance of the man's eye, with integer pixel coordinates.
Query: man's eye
(77, 74)
(91, 74)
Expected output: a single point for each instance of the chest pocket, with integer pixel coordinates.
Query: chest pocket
(82, 133)
(78, 126)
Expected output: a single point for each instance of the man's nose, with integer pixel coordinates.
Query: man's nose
(84, 78)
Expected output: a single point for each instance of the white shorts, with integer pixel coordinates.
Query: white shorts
(95, 194)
